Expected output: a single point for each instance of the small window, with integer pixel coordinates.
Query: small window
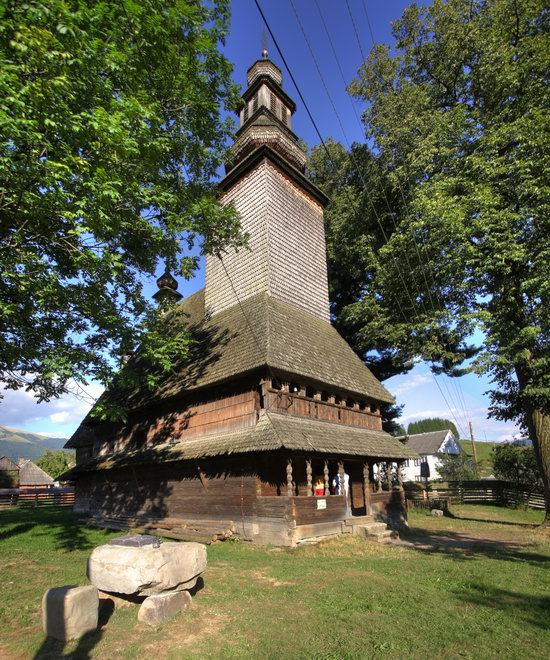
(294, 388)
(350, 403)
(245, 113)
(276, 385)
(337, 400)
(324, 396)
(272, 103)
(255, 103)
(362, 406)
(310, 392)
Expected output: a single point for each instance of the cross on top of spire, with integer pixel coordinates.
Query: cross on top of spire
(265, 55)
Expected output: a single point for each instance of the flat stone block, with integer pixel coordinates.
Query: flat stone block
(146, 570)
(156, 609)
(437, 512)
(70, 612)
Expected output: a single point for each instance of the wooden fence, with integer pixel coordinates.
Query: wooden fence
(502, 493)
(36, 497)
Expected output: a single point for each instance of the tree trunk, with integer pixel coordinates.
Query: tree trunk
(538, 425)
(539, 430)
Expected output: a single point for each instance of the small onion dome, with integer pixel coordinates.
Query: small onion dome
(265, 54)
(168, 286)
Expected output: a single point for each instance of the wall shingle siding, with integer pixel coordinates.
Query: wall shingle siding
(287, 256)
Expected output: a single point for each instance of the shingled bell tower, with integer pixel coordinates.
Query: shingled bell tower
(280, 210)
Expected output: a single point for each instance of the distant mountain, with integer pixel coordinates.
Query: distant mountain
(15, 443)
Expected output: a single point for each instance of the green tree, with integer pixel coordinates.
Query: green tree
(432, 424)
(456, 467)
(55, 463)
(518, 465)
(110, 134)
(458, 116)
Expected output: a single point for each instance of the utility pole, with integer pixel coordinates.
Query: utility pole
(474, 454)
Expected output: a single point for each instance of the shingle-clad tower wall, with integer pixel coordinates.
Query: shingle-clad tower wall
(280, 210)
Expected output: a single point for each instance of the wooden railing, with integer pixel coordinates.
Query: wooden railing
(36, 497)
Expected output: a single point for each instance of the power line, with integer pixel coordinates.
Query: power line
(331, 160)
(461, 404)
(457, 407)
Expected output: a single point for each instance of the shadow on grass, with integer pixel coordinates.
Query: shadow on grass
(494, 521)
(534, 610)
(60, 525)
(462, 546)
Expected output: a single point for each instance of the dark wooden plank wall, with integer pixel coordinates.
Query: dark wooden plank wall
(221, 415)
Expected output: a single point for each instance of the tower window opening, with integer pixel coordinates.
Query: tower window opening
(272, 103)
(362, 406)
(245, 113)
(337, 400)
(255, 103)
(285, 115)
(324, 396)
(276, 384)
(310, 392)
(350, 403)
(294, 388)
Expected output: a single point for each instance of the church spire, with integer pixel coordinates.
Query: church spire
(266, 116)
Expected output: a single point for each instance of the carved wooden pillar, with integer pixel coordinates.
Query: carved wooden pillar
(326, 475)
(341, 478)
(289, 485)
(309, 477)
(366, 488)
(379, 477)
(389, 475)
(400, 474)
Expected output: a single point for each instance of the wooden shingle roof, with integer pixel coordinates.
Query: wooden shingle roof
(272, 432)
(31, 475)
(263, 331)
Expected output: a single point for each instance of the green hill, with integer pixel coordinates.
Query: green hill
(484, 451)
(15, 443)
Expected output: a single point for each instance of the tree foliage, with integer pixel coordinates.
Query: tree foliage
(55, 463)
(518, 465)
(432, 424)
(458, 117)
(456, 467)
(110, 133)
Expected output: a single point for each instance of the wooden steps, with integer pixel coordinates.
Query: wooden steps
(371, 530)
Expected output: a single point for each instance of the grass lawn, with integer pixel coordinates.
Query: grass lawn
(475, 585)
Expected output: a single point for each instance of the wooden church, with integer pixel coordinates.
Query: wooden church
(273, 425)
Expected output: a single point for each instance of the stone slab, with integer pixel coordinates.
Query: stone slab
(146, 570)
(156, 609)
(70, 612)
(136, 541)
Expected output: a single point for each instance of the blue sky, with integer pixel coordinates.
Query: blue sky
(417, 390)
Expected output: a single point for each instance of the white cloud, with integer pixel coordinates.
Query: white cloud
(58, 417)
(410, 382)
